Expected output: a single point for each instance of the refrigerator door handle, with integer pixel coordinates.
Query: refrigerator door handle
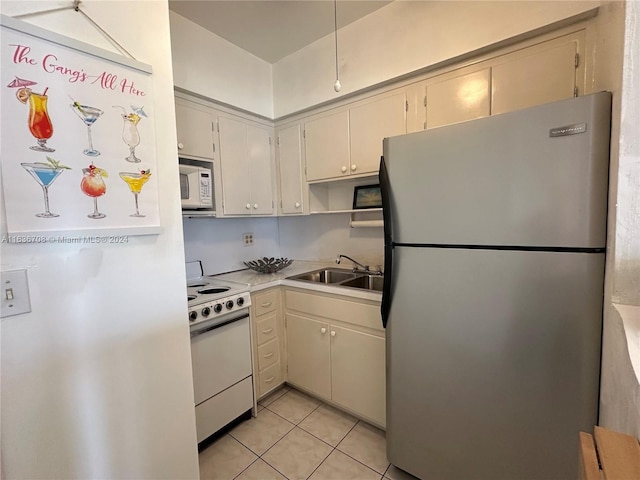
(388, 243)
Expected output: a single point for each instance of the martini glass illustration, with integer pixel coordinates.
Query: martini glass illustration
(93, 185)
(45, 175)
(88, 115)
(39, 122)
(135, 181)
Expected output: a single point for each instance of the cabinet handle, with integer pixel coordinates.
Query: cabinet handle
(323, 330)
(180, 146)
(267, 331)
(255, 206)
(269, 380)
(297, 204)
(266, 304)
(333, 333)
(248, 206)
(268, 355)
(353, 168)
(344, 169)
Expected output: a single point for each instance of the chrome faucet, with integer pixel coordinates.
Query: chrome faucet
(356, 264)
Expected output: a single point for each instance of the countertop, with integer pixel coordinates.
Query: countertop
(260, 281)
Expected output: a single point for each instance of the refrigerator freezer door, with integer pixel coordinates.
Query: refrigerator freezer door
(492, 362)
(505, 179)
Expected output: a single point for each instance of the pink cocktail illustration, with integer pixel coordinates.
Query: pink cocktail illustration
(93, 185)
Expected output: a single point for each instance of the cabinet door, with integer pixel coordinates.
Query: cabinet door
(290, 163)
(416, 111)
(358, 372)
(308, 355)
(234, 165)
(260, 171)
(459, 98)
(194, 129)
(327, 146)
(542, 77)
(369, 124)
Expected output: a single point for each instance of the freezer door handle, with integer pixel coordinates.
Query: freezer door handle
(388, 242)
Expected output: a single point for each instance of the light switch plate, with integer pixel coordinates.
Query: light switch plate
(14, 294)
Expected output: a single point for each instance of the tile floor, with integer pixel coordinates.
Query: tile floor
(297, 437)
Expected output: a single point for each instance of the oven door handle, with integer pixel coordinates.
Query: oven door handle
(219, 325)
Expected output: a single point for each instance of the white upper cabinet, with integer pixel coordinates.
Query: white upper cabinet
(194, 128)
(327, 146)
(541, 74)
(246, 167)
(369, 124)
(458, 97)
(290, 168)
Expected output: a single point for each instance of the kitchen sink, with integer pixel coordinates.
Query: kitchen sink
(338, 277)
(327, 276)
(367, 282)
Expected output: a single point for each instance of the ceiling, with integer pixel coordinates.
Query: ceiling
(273, 29)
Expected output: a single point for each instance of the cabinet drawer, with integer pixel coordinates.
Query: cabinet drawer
(270, 378)
(268, 354)
(265, 302)
(266, 329)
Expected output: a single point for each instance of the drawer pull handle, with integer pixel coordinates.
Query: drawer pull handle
(266, 304)
(267, 331)
(268, 355)
(323, 330)
(333, 334)
(269, 380)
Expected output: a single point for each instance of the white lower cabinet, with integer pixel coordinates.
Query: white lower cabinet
(268, 338)
(339, 354)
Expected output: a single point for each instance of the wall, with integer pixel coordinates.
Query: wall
(96, 380)
(219, 245)
(620, 388)
(403, 37)
(209, 65)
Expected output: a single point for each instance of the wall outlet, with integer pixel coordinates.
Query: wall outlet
(247, 239)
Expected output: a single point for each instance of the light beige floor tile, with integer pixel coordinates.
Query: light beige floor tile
(297, 455)
(395, 473)
(328, 424)
(368, 445)
(260, 471)
(273, 396)
(339, 466)
(224, 459)
(259, 434)
(294, 406)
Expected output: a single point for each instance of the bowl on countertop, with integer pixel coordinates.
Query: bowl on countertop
(268, 265)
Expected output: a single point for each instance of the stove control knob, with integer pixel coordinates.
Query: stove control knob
(240, 301)
(229, 304)
(206, 311)
(193, 315)
(217, 307)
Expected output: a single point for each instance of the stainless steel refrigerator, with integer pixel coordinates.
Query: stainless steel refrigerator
(495, 233)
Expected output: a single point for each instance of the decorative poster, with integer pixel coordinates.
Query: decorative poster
(78, 138)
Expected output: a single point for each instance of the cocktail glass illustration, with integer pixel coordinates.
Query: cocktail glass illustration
(39, 122)
(130, 134)
(93, 185)
(136, 181)
(88, 115)
(45, 175)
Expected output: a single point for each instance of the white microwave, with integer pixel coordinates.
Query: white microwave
(196, 184)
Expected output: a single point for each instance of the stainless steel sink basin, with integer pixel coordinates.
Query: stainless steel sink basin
(366, 282)
(339, 277)
(326, 276)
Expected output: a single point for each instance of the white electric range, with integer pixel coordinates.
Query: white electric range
(220, 350)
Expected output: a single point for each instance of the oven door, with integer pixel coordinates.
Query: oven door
(220, 355)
